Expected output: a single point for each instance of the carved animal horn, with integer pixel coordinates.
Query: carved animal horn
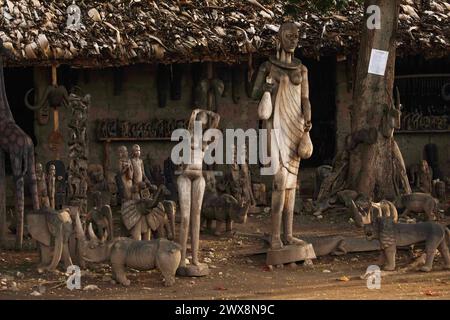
(107, 213)
(40, 104)
(78, 228)
(356, 214)
(92, 234)
(104, 236)
(57, 252)
(362, 211)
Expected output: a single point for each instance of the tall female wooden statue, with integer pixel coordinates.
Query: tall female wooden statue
(191, 187)
(282, 82)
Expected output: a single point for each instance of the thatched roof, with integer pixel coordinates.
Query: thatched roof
(119, 32)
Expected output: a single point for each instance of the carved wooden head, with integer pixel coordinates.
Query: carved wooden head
(39, 169)
(52, 170)
(136, 151)
(123, 152)
(288, 36)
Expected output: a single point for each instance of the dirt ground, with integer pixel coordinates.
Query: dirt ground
(233, 276)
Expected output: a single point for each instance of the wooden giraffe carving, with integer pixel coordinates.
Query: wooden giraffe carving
(15, 142)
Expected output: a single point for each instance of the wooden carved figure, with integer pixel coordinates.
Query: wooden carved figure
(283, 80)
(191, 187)
(425, 177)
(140, 180)
(51, 181)
(41, 179)
(126, 173)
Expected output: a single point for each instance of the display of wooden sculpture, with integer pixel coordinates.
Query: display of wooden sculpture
(110, 129)
(19, 146)
(191, 187)
(78, 152)
(284, 80)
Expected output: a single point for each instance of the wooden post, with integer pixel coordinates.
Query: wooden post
(55, 111)
(56, 132)
(2, 198)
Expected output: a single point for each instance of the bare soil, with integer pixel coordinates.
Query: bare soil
(233, 276)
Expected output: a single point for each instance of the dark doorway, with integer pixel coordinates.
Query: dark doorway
(17, 82)
(322, 94)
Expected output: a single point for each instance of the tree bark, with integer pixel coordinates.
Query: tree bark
(374, 165)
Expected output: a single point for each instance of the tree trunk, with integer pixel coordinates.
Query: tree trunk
(2, 198)
(375, 162)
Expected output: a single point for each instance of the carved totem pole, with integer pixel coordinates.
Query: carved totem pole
(284, 80)
(78, 152)
(191, 188)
